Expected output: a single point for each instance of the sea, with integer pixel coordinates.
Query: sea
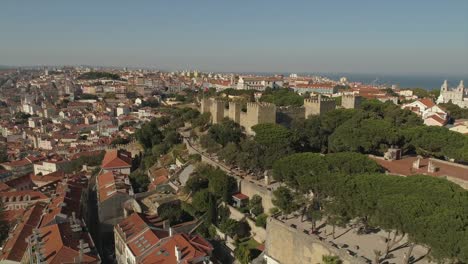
(428, 82)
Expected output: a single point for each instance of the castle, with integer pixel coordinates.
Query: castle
(351, 101)
(319, 105)
(261, 112)
(257, 113)
(458, 96)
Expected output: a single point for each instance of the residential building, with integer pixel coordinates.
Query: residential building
(118, 161)
(143, 239)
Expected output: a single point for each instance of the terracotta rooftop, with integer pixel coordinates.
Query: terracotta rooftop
(117, 159)
(16, 245)
(60, 244)
(112, 183)
(191, 249)
(240, 196)
(405, 167)
(427, 102)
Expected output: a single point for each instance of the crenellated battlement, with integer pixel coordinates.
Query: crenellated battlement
(318, 105)
(351, 101)
(260, 105)
(257, 112)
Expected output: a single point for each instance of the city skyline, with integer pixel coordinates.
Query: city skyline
(421, 37)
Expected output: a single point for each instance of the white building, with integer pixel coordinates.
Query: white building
(432, 114)
(458, 96)
(258, 83)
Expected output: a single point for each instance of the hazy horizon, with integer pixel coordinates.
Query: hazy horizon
(358, 37)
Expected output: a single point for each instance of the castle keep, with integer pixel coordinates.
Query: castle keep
(257, 113)
(319, 105)
(351, 101)
(262, 113)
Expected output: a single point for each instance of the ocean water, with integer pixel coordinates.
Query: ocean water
(428, 82)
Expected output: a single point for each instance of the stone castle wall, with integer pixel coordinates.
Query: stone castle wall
(257, 113)
(319, 106)
(250, 189)
(287, 245)
(351, 101)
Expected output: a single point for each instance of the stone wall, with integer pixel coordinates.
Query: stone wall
(319, 106)
(257, 113)
(287, 245)
(257, 232)
(250, 188)
(351, 101)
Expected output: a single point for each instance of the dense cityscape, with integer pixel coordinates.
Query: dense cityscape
(108, 165)
(234, 132)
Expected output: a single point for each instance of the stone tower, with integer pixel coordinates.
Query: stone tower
(217, 111)
(258, 113)
(205, 105)
(234, 111)
(351, 101)
(319, 105)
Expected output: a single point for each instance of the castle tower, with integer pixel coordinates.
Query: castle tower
(205, 105)
(319, 105)
(217, 111)
(258, 113)
(234, 111)
(351, 101)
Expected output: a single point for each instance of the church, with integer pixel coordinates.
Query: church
(458, 96)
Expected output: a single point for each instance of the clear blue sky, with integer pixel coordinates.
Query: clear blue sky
(397, 36)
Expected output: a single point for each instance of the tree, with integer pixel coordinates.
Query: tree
(174, 213)
(196, 183)
(220, 184)
(255, 205)
(212, 213)
(139, 181)
(243, 254)
(200, 201)
(261, 220)
(207, 142)
(274, 142)
(284, 200)
(229, 227)
(373, 136)
(225, 132)
(282, 97)
(202, 120)
(327, 259)
(229, 153)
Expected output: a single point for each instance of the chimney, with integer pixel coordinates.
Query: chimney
(416, 163)
(431, 167)
(178, 254)
(166, 225)
(171, 231)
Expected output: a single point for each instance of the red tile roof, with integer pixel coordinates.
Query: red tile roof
(16, 245)
(405, 167)
(60, 244)
(427, 102)
(240, 196)
(117, 159)
(191, 249)
(112, 183)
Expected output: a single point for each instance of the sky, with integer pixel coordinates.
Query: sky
(373, 36)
